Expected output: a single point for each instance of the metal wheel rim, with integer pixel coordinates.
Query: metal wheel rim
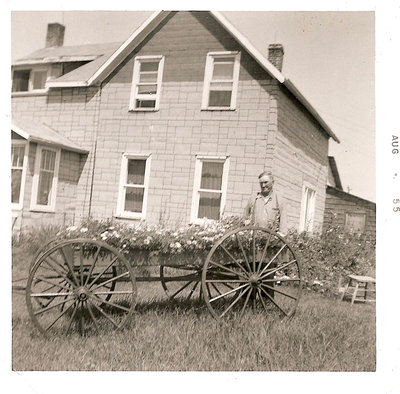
(91, 293)
(296, 265)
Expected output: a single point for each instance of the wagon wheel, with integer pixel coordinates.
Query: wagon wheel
(42, 250)
(70, 286)
(251, 267)
(181, 282)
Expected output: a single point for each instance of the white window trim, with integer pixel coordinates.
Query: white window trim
(135, 81)
(306, 186)
(197, 181)
(19, 206)
(35, 183)
(30, 90)
(208, 77)
(122, 186)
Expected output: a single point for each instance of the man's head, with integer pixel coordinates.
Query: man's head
(266, 180)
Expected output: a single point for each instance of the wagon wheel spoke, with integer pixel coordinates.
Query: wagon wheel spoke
(47, 308)
(101, 283)
(264, 253)
(273, 301)
(233, 259)
(192, 291)
(242, 250)
(234, 302)
(70, 267)
(245, 302)
(273, 270)
(279, 291)
(92, 316)
(273, 259)
(71, 320)
(113, 304)
(270, 273)
(58, 318)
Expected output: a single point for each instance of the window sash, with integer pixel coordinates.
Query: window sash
(45, 179)
(34, 81)
(146, 101)
(209, 195)
(215, 81)
(19, 162)
(132, 200)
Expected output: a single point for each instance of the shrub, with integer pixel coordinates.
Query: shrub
(324, 258)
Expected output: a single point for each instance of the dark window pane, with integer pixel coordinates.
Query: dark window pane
(48, 160)
(147, 89)
(211, 175)
(17, 156)
(134, 199)
(39, 79)
(152, 77)
(218, 59)
(209, 205)
(136, 169)
(149, 66)
(145, 103)
(16, 176)
(44, 189)
(220, 98)
(21, 81)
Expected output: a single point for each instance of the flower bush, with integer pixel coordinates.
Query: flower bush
(324, 258)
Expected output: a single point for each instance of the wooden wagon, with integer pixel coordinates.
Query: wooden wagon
(83, 284)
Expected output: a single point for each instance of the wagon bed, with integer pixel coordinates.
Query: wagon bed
(84, 285)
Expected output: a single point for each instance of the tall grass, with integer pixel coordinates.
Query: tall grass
(324, 335)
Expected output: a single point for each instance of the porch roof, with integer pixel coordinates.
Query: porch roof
(43, 134)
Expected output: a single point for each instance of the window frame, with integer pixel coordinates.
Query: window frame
(303, 211)
(208, 74)
(123, 185)
(200, 159)
(35, 182)
(135, 81)
(32, 71)
(346, 228)
(20, 204)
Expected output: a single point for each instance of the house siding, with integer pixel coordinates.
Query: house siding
(268, 130)
(338, 203)
(180, 129)
(300, 158)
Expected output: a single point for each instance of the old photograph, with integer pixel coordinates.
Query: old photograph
(193, 190)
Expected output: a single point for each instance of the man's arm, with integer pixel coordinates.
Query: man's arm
(282, 216)
(248, 209)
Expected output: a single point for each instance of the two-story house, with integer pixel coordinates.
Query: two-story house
(173, 125)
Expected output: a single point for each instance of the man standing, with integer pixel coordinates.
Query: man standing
(265, 209)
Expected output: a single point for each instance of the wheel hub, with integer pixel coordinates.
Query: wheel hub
(82, 294)
(254, 280)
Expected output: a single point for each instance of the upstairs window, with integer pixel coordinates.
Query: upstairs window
(221, 80)
(45, 179)
(146, 83)
(210, 183)
(19, 159)
(307, 209)
(134, 181)
(29, 80)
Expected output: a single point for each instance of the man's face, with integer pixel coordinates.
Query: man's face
(266, 184)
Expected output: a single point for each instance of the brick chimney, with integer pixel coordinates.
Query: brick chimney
(55, 35)
(275, 55)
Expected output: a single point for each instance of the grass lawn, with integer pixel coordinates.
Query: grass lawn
(324, 335)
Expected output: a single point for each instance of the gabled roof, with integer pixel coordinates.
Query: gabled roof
(95, 72)
(335, 173)
(42, 134)
(74, 53)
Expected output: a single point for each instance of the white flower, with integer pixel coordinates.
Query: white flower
(84, 230)
(178, 245)
(72, 228)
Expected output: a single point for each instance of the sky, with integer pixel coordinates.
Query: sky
(329, 56)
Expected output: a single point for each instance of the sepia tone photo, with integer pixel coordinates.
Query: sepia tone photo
(193, 191)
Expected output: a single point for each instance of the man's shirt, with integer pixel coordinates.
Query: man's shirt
(267, 212)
